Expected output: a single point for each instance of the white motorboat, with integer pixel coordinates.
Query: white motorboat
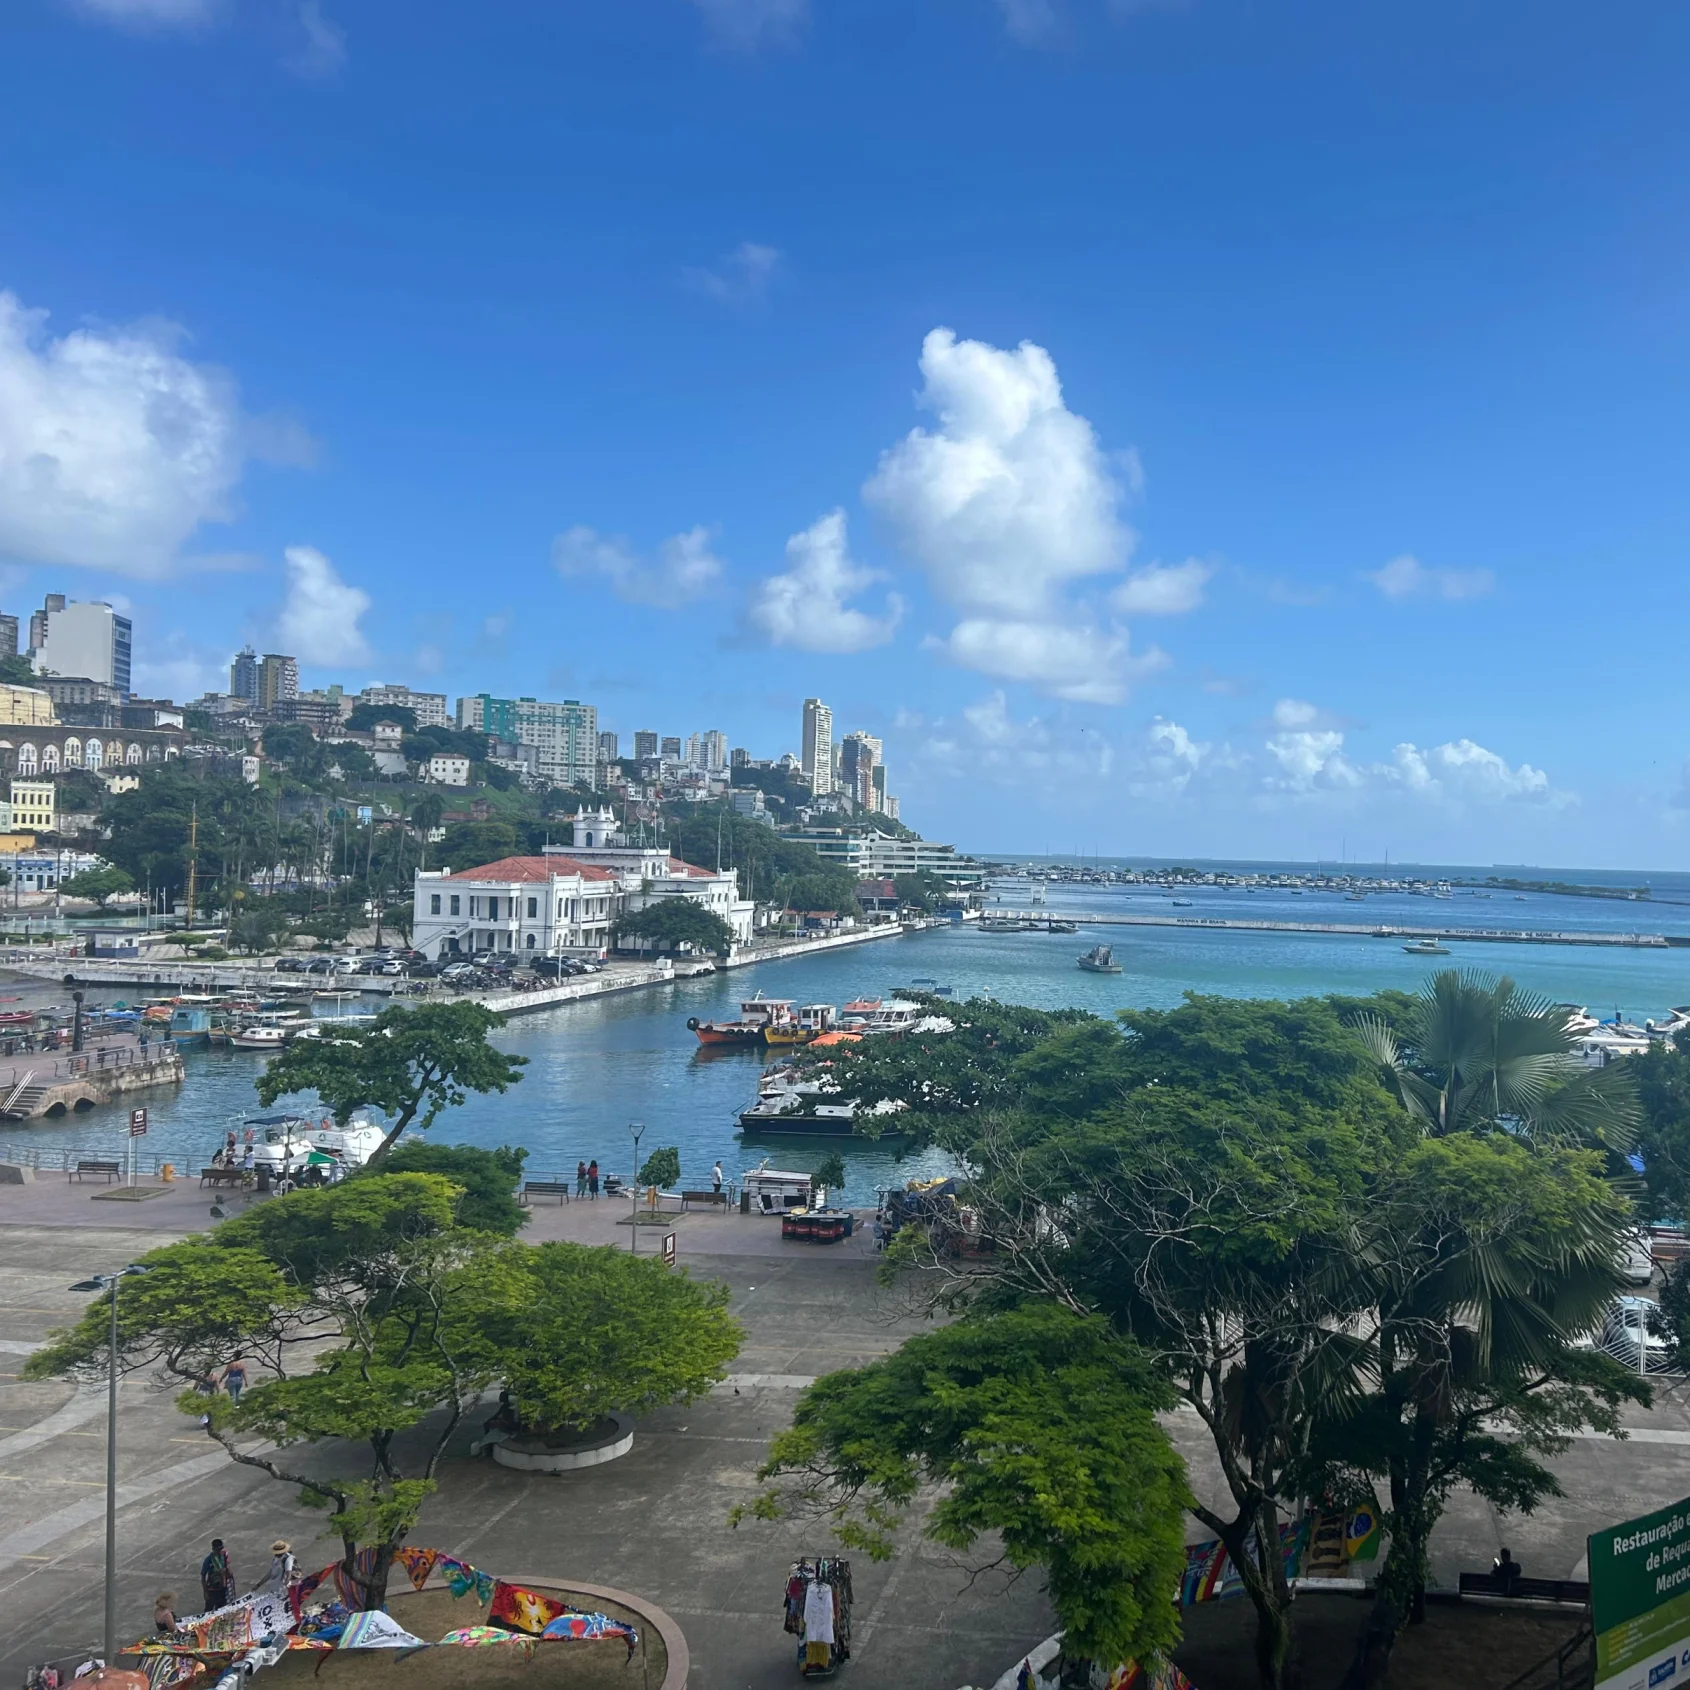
(261, 1035)
(288, 1144)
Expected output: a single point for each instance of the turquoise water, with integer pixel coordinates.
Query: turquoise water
(595, 1067)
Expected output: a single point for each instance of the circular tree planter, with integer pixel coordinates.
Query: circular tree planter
(564, 1452)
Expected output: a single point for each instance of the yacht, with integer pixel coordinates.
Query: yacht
(288, 1144)
(1426, 947)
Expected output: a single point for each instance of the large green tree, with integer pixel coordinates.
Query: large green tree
(369, 1317)
(673, 922)
(1033, 1423)
(489, 1180)
(1662, 1076)
(408, 1063)
(99, 884)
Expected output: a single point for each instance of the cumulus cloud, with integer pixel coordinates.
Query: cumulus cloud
(684, 567)
(1464, 769)
(1073, 662)
(806, 606)
(114, 448)
(746, 25)
(987, 741)
(741, 278)
(1163, 589)
(1407, 577)
(319, 618)
(1011, 497)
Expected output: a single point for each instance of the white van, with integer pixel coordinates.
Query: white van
(1637, 1261)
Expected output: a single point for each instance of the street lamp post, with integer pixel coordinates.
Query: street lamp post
(636, 1130)
(108, 1282)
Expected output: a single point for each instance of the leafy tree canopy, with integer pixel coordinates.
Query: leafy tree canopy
(408, 1063)
(674, 922)
(662, 1168)
(98, 884)
(604, 1330)
(489, 1180)
(1037, 1424)
(1662, 1076)
(365, 716)
(470, 844)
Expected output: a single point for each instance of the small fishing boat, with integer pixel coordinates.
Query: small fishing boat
(1426, 947)
(1062, 927)
(1100, 959)
(929, 988)
(261, 1035)
(756, 1015)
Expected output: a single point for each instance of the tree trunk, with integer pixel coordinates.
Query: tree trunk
(1264, 1583)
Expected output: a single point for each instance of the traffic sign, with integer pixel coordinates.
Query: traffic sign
(669, 1239)
(137, 1123)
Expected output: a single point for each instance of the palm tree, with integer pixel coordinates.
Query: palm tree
(426, 815)
(1480, 1052)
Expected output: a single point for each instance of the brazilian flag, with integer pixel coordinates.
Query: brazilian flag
(1361, 1534)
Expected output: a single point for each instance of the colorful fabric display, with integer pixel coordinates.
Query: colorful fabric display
(375, 1629)
(486, 1636)
(586, 1627)
(354, 1589)
(163, 1671)
(418, 1564)
(1210, 1575)
(523, 1610)
(462, 1578)
(1132, 1676)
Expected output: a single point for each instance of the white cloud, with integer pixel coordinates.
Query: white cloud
(806, 606)
(113, 447)
(988, 742)
(150, 11)
(1011, 497)
(1295, 713)
(684, 567)
(741, 278)
(1465, 770)
(319, 619)
(1031, 22)
(1077, 663)
(1163, 589)
(749, 24)
(1407, 577)
(322, 51)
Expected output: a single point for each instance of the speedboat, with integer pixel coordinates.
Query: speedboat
(288, 1144)
(1426, 947)
(1100, 959)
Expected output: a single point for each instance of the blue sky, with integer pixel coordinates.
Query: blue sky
(1179, 428)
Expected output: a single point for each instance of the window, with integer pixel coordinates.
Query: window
(26, 759)
(95, 754)
(454, 903)
(474, 908)
(73, 754)
(134, 754)
(531, 936)
(492, 909)
(434, 903)
(50, 758)
(533, 910)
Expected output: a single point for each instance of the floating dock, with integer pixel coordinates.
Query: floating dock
(1365, 930)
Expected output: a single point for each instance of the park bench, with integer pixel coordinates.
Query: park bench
(711, 1199)
(1540, 1590)
(221, 1176)
(111, 1170)
(545, 1188)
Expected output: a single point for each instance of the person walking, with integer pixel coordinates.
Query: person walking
(217, 1577)
(593, 1180)
(716, 1179)
(580, 1179)
(282, 1563)
(234, 1379)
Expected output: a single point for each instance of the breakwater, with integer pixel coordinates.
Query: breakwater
(1352, 929)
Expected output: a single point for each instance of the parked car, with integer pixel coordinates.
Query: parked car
(320, 965)
(1631, 1321)
(423, 969)
(456, 970)
(290, 965)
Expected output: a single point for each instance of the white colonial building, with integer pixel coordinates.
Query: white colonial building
(565, 899)
(540, 906)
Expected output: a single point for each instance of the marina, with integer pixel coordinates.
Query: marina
(601, 1059)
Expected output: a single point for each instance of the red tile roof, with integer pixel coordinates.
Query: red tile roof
(677, 867)
(508, 869)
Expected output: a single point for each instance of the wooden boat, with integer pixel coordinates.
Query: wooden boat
(756, 1016)
(261, 1036)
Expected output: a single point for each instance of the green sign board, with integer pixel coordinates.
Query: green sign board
(1640, 1601)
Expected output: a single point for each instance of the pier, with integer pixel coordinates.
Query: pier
(63, 1082)
(1355, 929)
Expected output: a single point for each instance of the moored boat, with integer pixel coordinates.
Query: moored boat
(1100, 959)
(1426, 947)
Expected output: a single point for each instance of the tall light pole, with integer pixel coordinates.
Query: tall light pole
(108, 1282)
(636, 1130)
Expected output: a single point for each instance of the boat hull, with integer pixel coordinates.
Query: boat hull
(800, 1125)
(719, 1033)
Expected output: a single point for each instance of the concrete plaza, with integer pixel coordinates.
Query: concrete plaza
(654, 1523)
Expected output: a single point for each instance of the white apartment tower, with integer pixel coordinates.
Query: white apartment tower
(818, 746)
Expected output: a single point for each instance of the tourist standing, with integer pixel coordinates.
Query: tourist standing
(280, 1575)
(580, 1179)
(716, 1179)
(217, 1578)
(593, 1180)
(234, 1379)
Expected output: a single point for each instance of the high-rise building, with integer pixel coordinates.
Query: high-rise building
(818, 746)
(38, 620)
(243, 675)
(8, 636)
(858, 756)
(877, 798)
(429, 708)
(645, 744)
(707, 750)
(608, 746)
(278, 683)
(670, 750)
(739, 758)
(564, 736)
(84, 639)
